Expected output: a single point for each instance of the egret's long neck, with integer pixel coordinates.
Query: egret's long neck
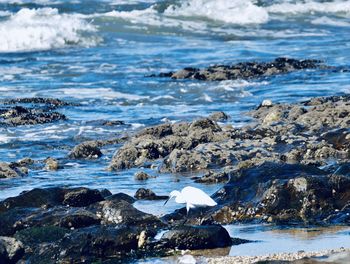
(175, 193)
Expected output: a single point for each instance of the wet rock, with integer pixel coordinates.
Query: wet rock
(95, 227)
(157, 131)
(200, 158)
(50, 197)
(113, 123)
(35, 198)
(157, 142)
(82, 197)
(142, 176)
(18, 115)
(147, 194)
(7, 172)
(33, 236)
(284, 192)
(39, 100)
(86, 150)
(25, 162)
(11, 250)
(121, 196)
(197, 237)
(244, 70)
(212, 177)
(219, 116)
(51, 164)
(98, 243)
(121, 212)
(78, 219)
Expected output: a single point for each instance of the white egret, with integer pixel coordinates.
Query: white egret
(192, 197)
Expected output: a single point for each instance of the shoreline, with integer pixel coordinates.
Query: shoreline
(280, 257)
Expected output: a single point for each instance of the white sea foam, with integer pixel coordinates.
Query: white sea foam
(203, 15)
(43, 29)
(310, 7)
(228, 11)
(105, 93)
(330, 22)
(4, 13)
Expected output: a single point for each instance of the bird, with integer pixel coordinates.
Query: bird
(192, 197)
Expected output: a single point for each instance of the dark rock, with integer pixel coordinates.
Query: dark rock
(39, 100)
(95, 243)
(82, 197)
(78, 219)
(23, 162)
(147, 194)
(343, 169)
(212, 177)
(284, 192)
(7, 172)
(219, 116)
(121, 196)
(34, 236)
(34, 198)
(11, 250)
(121, 212)
(244, 70)
(157, 131)
(157, 142)
(18, 115)
(142, 176)
(50, 197)
(113, 123)
(86, 150)
(197, 237)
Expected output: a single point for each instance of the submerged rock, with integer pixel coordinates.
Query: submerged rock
(244, 70)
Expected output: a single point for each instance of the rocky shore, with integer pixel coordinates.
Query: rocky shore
(74, 225)
(289, 166)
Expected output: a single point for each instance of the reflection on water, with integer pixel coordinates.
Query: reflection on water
(271, 239)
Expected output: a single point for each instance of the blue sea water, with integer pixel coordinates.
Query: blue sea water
(98, 54)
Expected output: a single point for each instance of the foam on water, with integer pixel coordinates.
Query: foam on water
(105, 93)
(227, 11)
(43, 29)
(330, 22)
(332, 7)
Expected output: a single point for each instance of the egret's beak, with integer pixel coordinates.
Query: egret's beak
(166, 201)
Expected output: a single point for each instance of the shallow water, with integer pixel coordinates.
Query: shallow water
(268, 239)
(97, 54)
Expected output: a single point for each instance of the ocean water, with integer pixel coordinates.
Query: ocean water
(97, 53)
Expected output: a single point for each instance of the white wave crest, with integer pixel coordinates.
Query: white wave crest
(228, 11)
(43, 29)
(330, 22)
(310, 7)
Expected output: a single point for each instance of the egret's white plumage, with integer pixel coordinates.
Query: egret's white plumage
(192, 197)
